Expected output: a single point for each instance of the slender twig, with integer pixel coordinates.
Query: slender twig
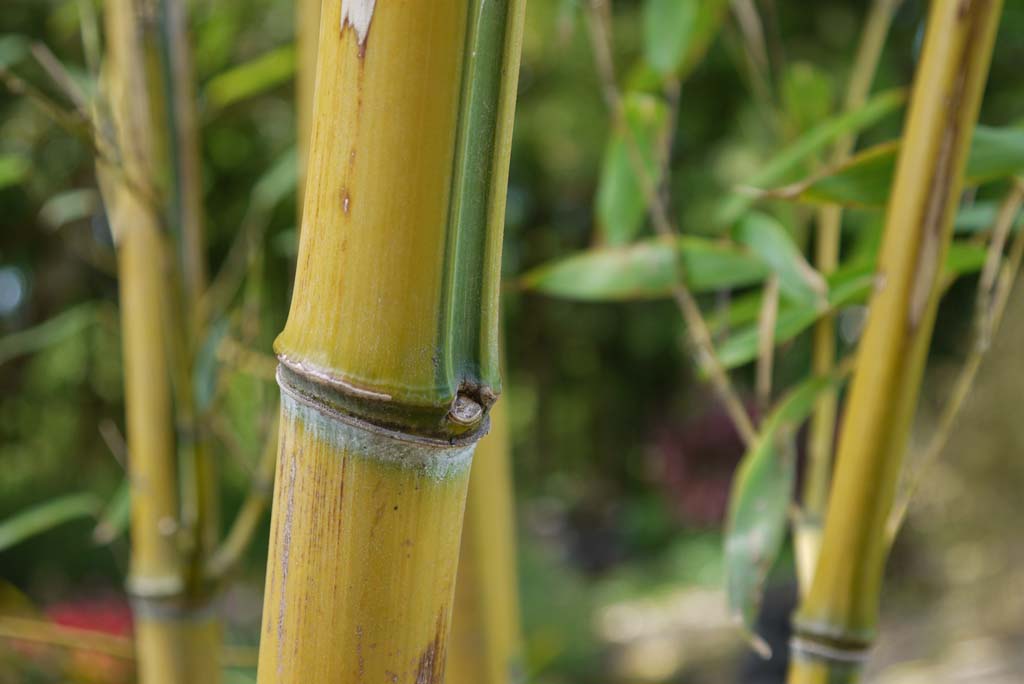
(696, 326)
(994, 289)
(246, 522)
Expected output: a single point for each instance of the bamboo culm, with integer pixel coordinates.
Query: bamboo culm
(836, 621)
(389, 356)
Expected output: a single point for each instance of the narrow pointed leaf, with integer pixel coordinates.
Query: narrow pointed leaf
(791, 160)
(979, 217)
(114, 518)
(620, 203)
(851, 285)
(646, 270)
(677, 33)
(51, 331)
(44, 517)
(759, 503)
(69, 206)
(768, 240)
(252, 78)
(865, 179)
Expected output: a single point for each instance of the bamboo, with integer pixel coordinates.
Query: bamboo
(177, 635)
(836, 622)
(486, 642)
(821, 434)
(307, 33)
(389, 356)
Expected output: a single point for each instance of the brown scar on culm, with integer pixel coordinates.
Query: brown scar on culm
(431, 664)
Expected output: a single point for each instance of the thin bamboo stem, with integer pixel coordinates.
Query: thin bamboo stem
(486, 641)
(836, 621)
(821, 434)
(696, 326)
(177, 634)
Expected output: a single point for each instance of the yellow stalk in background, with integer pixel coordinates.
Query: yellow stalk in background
(821, 434)
(486, 641)
(836, 621)
(177, 634)
(389, 356)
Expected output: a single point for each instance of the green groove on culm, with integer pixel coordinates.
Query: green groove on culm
(469, 360)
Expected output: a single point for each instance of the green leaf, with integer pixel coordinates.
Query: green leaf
(13, 169)
(807, 95)
(979, 217)
(13, 49)
(63, 325)
(252, 78)
(44, 517)
(620, 202)
(790, 160)
(995, 153)
(759, 503)
(207, 365)
(865, 179)
(768, 240)
(677, 33)
(278, 182)
(69, 206)
(114, 519)
(850, 285)
(646, 270)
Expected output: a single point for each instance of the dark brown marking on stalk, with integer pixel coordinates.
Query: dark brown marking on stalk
(378, 515)
(431, 663)
(937, 202)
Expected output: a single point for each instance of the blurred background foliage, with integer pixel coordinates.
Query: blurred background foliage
(623, 458)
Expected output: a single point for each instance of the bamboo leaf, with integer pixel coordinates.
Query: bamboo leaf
(66, 207)
(620, 203)
(13, 49)
(677, 33)
(61, 326)
(791, 159)
(646, 270)
(768, 240)
(865, 179)
(44, 517)
(13, 169)
(851, 285)
(114, 518)
(759, 504)
(252, 78)
(979, 217)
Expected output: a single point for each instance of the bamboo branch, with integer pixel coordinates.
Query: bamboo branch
(696, 326)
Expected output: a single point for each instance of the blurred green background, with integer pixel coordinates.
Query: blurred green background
(622, 458)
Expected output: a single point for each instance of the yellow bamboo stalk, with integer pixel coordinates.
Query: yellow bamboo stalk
(177, 637)
(821, 433)
(836, 622)
(389, 356)
(307, 34)
(486, 641)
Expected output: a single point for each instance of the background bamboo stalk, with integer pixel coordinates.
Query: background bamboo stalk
(486, 641)
(389, 356)
(836, 621)
(821, 435)
(177, 635)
